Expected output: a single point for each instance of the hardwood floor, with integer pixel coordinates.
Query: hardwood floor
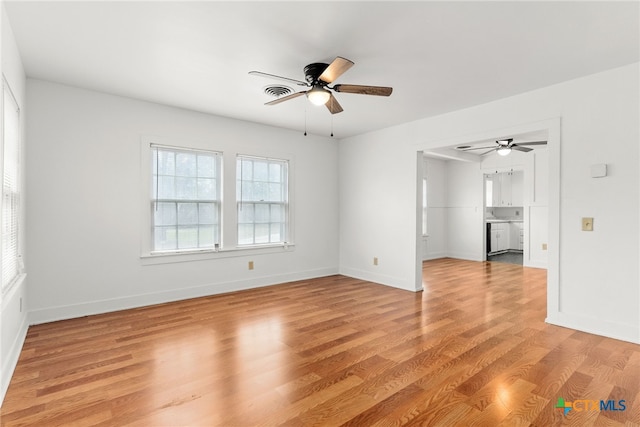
(471, 350)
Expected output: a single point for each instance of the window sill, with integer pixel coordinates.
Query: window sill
(174, 257)
(16, 283)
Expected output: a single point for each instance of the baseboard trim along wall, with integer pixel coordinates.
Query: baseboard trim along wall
(619, 331)
(11, 357)
(53, 314)
(383, 279)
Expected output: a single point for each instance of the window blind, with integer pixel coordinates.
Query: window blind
(10, 186)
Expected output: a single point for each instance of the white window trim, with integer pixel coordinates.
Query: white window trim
(20, 275)
(228, 233)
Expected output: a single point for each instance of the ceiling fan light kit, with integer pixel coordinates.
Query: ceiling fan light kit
(503, 151)
(318, 95)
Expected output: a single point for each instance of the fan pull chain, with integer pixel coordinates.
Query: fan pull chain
(305, 121)
(332, 121)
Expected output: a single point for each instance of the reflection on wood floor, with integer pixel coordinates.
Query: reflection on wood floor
(472, 349)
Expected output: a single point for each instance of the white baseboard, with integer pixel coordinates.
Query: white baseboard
(52, 314)
(11, 357)
(619, 331)
(434, 255)
(535, 264)
(469, 256)
(393, 281)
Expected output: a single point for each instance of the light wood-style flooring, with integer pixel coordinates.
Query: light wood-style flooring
(471, 350)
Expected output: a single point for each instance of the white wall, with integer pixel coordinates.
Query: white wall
(435, 243)
(465, 211)
(84, 207)
(13, 318)
(596, 286)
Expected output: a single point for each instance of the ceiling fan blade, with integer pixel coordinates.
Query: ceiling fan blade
(333, 105)
(286, 98)
(478, 148)
(273, 76)
(364, 90)
(335, 69)
(519, 148)
(490, 151)
(532, 143)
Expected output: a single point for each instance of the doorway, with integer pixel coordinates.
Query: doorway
(546, 216)
(503, 216)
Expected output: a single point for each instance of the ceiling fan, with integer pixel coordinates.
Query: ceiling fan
(318, 77)
(504, 147)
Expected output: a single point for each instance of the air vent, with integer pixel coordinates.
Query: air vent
(278, 91)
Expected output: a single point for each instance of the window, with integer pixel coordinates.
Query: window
(10, 187)
(185, 200)
(262, 200)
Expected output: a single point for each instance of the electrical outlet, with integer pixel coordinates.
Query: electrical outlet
(544, 246)
(375, 260)
(250, 265)
(587, 224)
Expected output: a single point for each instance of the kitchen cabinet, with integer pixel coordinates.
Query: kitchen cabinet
(504, 189)
(516, 236)
(500, 237)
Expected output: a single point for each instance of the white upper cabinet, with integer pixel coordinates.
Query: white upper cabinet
(505, 189)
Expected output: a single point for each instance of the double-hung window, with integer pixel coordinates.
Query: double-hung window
(262, 200)
(10, 187)
(185, 200)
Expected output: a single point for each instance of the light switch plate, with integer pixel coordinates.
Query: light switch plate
(587, 224)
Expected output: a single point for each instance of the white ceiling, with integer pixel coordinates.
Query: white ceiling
(438, 56)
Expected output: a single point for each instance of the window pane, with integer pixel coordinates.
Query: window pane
(206, 236)
(207, 213)
(275, 192)
(276, 232)
(275, 172)
(277, 213)
(206, 166)
(165, 214)
(245, 213)
(246, 169)
(260, 171)
(187, 213)
(186, 188)
(260, 191)
(262, 233)
(186, 164)
(247, 191)
(165, 162)
(245, 234)
(262, 212)
(167, 189)
(165, 238)
(206, 189)
(187, 237)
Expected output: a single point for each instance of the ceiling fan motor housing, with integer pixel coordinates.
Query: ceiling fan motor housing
(313, 71)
